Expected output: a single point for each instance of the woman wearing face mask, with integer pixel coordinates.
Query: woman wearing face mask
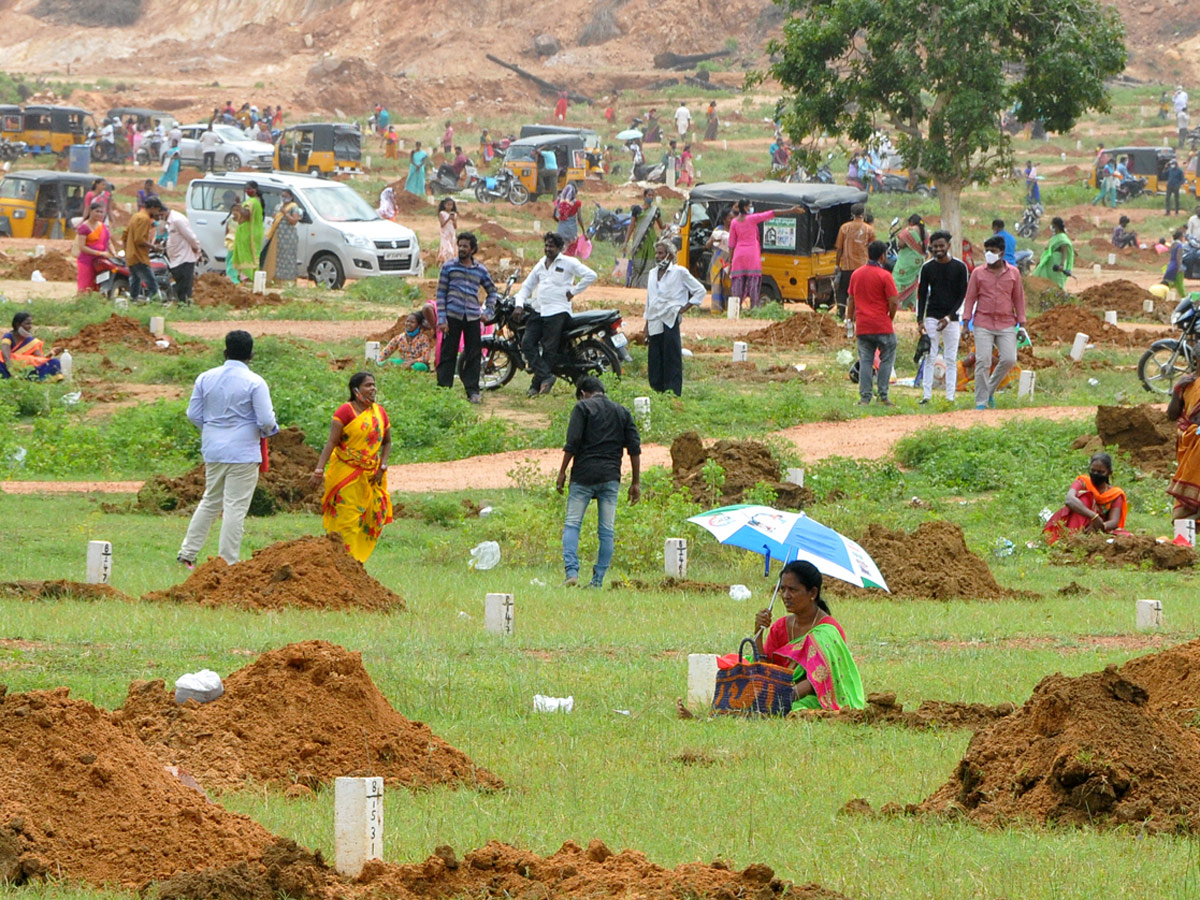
(21, 352)
(745, 268)
(1094, 506)
(412, 348)
(909, 259)
(353, 463)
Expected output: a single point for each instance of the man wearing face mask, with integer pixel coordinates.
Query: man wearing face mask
(670, 290)
(558, 279)
(940, 293)
(995, 306)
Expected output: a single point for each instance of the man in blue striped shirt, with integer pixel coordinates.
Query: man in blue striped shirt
(459, 313)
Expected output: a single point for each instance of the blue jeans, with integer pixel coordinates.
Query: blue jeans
(867, 345)
(578, 498)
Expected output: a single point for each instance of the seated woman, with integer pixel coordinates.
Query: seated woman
(810, 641)
(1093, 505)
(412, 348)
(1122, 237)
(21, 352)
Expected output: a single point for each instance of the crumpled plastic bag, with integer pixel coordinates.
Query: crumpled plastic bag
(844, 357)
(37, 276)
(739, 592)
(203, 686)
(484, 556)
(542, 703)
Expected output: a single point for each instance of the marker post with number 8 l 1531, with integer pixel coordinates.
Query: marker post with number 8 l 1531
(358, 823)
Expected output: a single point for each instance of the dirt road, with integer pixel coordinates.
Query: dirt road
(871, 437)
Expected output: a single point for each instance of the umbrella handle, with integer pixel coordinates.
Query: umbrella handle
(770, 607)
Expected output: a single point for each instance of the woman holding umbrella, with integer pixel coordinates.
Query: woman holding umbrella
(809, 640)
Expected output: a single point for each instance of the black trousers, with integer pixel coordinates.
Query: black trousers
(184, 275)
(664, 368)
(1172, 192)
(470, 333)
(543, 334)
(141, 280)
(842, 291)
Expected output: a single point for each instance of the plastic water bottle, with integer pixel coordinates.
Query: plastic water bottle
(1004, 547)
(67, 363)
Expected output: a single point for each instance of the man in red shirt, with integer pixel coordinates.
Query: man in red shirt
(871, 306)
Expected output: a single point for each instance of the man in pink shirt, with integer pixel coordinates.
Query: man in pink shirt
(995, 306)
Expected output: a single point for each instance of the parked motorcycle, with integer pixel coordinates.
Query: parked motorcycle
(112, 277)
(1030, 222)
(10, 150)
(1191, 258)
(1169, 359)
(501, 186)
(609, 225)
(592, 343)
(445, 180)
(889, 183)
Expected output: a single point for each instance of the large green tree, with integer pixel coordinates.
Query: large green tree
(939, 74)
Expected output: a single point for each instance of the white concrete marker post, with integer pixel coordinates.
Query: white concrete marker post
(371, 351)
(260, 282)
(498, 613)
(796, 476)
(1149, 615)
(1112, 259)
(357, 823)
(1110, 316)
(1079, 346)
(1186, 528)
(1148, 306)
(99, 562)
(702, 679)
(158, 326)
(741, 351)
(675, 557)
(1026, 385)
(1097, 270)
(733, 308)
(537, 226)
(641, 412)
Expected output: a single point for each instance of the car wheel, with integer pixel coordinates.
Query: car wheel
(232, 162)
(326, 270)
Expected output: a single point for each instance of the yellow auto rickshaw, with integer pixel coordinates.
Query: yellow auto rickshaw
(545, 163)
(40, 203)
(1144, 162)
(12, 123)
(55, 129)
(319, 148)
(797, 251)
(591, 141)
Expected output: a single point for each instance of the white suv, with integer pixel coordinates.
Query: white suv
(340, 235)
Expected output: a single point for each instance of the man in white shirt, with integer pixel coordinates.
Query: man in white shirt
(209, 142)
(1182, 121)
(183, 250)
(683, 120)
(1193, 225)
(232, 408)
(670, 290)
(558, 280)
(1180, 99)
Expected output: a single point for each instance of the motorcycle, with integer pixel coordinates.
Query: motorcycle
(445, 181)
(592, 343)
(10, 150)
(609, 225)
(112, 277)
(1191, 258)
(1130, 188)
(1168, 359)
(889, 183)
(1030, 222)
(501, 186)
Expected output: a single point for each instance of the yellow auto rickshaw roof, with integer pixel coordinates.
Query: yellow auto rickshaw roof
(40, 175)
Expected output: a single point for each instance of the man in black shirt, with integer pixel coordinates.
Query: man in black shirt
(597, 436)
(940, 295)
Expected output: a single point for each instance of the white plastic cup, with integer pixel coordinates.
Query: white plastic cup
(702, 679)
(1149, 615)
(99, 562)
(1026, 385)
(371, 351)
(1079, 346)
(1110, 316)
(733, 308)
(1112, 259)
(675, 557)
(357, 823)
(158, 326)
(795, 476)
(1186, 528)
(498, 613)
(741, 351)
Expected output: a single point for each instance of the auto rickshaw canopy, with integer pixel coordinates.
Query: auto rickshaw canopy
(345, 141)
(61, 119)
(590, 138)
(143, 115)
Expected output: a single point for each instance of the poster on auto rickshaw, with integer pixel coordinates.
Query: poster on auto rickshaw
(779, 234)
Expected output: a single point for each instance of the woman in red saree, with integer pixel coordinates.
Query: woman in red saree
(1184, 486)
(1093, 505)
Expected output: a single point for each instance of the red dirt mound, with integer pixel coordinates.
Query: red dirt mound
(903, 560)
(1122, 550)
(304, 714)
(214, 289)
(53, 590)
(749, 371)
(54, 266)
(286, 487)
(116, 329)
(312, 572)
(1143, 432)
(1062, 323)
(1172, 678)
(1081, 751)
(82, 799)
(882, 709)
(799, 330)
(746, 463)
(1121, 295)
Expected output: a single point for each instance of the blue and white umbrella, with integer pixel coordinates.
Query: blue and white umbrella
(792, 535)
(629, 134)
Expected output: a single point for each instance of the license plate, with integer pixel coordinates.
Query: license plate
(619, 340)
(390, 257)
(104, 278)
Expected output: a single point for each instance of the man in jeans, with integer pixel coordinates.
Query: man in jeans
(597, 435)
(183, 251)
(995, 304)
(139, 241)
(558, 279)
(871, 306)
(232, 408)
(459, 312)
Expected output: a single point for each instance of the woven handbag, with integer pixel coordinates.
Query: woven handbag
(754, 687)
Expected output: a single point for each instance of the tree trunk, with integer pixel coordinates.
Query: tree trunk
(950, 201)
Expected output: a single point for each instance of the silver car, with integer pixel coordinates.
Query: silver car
(236, 149)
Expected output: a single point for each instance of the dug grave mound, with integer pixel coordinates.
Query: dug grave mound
(98, 337)
(797, 331)
(745, 464)
(1085, 751)
(80, 798)
(883, 709)
(1061, 324)
(903, 561)
(1143, 432)
(213, 289)
(304, 714)
(314, 572)
(1172, 678)
(286, 487)
(1122, 296)
(54, 266)
(1122, 550)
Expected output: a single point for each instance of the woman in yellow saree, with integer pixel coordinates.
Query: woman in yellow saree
(353, 463)
(1184, 486)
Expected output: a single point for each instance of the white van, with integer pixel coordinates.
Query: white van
(341, 236)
